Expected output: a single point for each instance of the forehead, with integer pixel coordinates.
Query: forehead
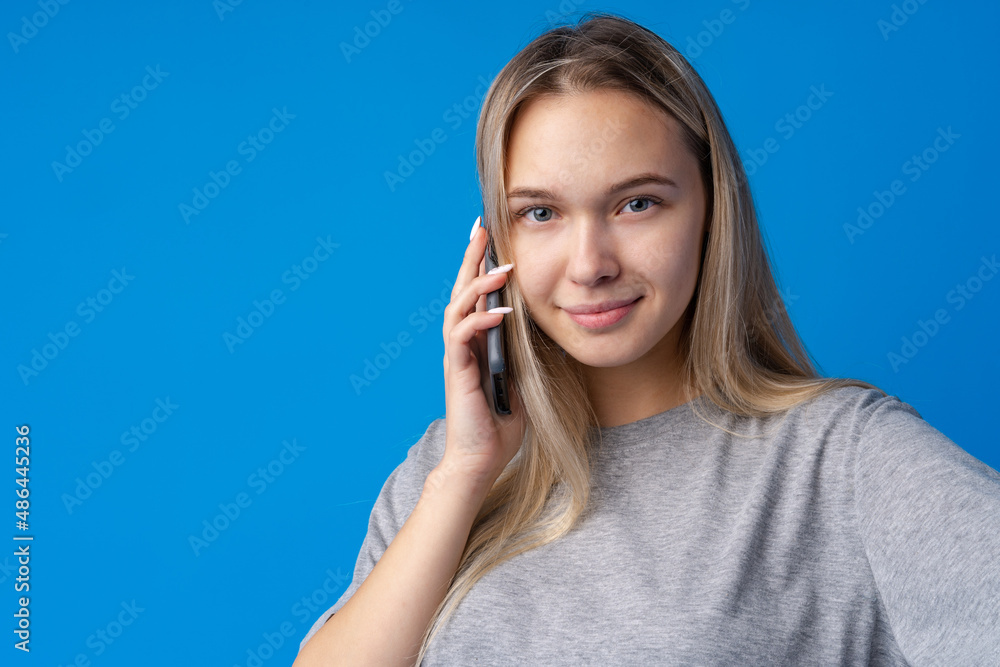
(599, 134)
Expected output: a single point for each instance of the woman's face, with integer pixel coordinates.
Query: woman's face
(596, 219)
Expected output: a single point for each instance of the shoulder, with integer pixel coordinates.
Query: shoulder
(844, 421)
(402, 488)
(889, 439)
(429, 449)
(856, 411)
(424, 454)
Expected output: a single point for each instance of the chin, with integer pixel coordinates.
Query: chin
(599, 357)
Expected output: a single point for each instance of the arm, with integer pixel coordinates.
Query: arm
(929, 515)
(383, 622)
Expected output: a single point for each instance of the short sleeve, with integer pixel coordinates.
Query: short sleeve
(395, 502)
(929, 518)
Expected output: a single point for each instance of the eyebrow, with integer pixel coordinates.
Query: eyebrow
(641, 179)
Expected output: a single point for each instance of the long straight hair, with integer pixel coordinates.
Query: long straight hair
(739, 346)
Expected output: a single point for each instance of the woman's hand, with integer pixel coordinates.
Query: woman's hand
(479, 444)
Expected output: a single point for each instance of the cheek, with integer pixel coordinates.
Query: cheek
(654, 255)
(535, 282)
(673, 267)
(535, 275)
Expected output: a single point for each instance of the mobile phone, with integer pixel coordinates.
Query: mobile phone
(494, 336)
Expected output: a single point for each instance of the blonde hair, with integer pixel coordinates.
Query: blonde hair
(740, 348)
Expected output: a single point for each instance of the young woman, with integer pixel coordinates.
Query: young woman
(675, 484)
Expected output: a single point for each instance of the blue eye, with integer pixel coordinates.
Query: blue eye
(546, 217)
(649, 201)
(538, 208)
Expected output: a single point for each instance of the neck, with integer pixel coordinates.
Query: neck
(645, 387)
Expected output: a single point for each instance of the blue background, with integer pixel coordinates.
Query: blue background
(349, 119)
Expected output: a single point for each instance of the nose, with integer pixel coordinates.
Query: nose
(592, 252)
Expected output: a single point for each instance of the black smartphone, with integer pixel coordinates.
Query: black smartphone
(494, 336)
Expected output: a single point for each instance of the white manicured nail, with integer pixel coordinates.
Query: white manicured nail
(500, 269)
(475, 226)
(501, 309)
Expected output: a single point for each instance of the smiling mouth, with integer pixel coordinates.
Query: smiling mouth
(604, 318)
(602, 307)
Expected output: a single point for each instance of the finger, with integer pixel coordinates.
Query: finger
(459, 351)
(471, 299)
(468, 270)
(445, 375)
(466, 274)
(481, 302)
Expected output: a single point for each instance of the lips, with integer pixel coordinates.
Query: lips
(604, 306)
(602, 318)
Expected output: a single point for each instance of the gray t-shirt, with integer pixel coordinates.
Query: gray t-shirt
(854, 533)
